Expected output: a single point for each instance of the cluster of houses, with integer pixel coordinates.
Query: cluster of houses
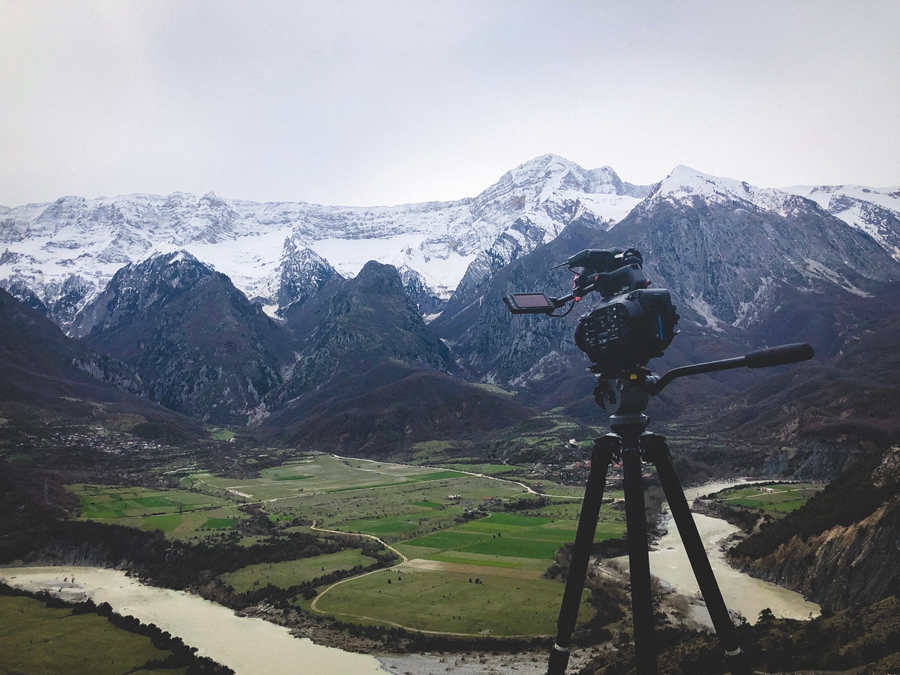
(571, 473)
(113, 444)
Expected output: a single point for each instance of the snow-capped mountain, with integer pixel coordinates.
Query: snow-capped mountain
(299, 276)
(724, 245)
(747, 267)
(738, 260)
(875, 211)
(77, 244)
(59, 256)
(684, 185)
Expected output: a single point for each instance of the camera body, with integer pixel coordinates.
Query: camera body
(627, 330)
(632, 324)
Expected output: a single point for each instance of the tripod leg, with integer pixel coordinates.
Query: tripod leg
(658, 452)
(639, 562)
(601, 458)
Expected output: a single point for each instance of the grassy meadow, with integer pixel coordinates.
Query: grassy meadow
(451, 523)
(294, 572)
(466, 602)
(41, 640)
(777, 499)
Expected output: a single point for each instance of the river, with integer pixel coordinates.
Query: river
(248, 646)
(742, 593)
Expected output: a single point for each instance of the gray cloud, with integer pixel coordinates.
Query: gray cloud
(386, 102)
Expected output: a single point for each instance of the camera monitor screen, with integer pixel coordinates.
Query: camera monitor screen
(529, 303)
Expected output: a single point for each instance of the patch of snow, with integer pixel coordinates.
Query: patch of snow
(819, 270)
(886, 197)
(705, 311)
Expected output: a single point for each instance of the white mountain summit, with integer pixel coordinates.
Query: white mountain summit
(78, 242)
(64, 253)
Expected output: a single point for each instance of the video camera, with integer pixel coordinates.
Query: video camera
(632, 324)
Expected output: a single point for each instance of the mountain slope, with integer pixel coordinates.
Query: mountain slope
(371, 377)
(352, 324)
(198, 344)
(875, 211)
(731, 255)
(724, 247)
(392, 406)
(49, 382)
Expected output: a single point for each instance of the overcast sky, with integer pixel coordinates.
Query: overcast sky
(375, 102)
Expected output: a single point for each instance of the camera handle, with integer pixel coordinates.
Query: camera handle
(630, 390)
(621, 280)
(631, 443)
(764, 358)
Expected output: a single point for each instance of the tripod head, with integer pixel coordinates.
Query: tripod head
(629, 393)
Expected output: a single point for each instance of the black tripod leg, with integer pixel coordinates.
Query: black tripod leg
(601, 458)
(639, 562)
(658, 452)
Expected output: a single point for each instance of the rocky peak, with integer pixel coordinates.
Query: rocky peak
(301, 273)
(727, 249)
(875, 211)
(378, 278)
(139, 288)
(198, 344)
(420, 293)
(546, 178)
(26, 296)
(684, 184)
(354, 324)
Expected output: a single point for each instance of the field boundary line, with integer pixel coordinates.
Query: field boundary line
(404, 559)
(368, 536)
(315, 601)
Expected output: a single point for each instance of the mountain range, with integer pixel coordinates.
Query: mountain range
(273, 315)
(51, 384)
(66, 252)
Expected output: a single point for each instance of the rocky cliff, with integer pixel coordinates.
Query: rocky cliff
(855, 559)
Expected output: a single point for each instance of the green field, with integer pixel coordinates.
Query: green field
(39, 640)
(178, 513)
(105, 502)
(505, 539)
(317, 474)
(294, 572)
(451, 601)
(450, 524)
(219, 524)
(780, 498)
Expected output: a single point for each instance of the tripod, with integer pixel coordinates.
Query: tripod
(629, 441)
